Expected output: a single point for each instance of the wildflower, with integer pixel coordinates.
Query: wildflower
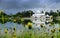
(29, 25)
(59, 29)
(51, 23)
(14, 35)
(41, 25)
(14, 29)
(14, 20)
(30, 34)
(6, 31)
(53, 30)
(52, 37)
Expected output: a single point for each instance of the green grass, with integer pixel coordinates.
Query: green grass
(31, 34)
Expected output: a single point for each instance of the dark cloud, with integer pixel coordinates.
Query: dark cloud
(19, 4)
(26, 4)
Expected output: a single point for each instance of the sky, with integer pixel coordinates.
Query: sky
(14, 6)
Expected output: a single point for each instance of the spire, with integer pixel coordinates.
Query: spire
(38, 11)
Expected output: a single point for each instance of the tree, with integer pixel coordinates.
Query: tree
(46, 13)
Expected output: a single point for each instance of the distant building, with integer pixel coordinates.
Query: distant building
(40, 19)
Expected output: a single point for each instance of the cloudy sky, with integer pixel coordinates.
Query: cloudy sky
(13, 6)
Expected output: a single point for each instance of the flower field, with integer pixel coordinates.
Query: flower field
(32, 33)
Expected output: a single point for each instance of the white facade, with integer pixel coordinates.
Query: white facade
(40, 18)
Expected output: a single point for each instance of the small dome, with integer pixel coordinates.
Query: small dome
(38, 11)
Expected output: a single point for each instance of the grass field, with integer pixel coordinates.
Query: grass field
(29, 34)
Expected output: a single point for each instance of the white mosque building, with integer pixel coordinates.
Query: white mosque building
(40, 19)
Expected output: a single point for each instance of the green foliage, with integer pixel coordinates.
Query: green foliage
(24, 14)
(26, 21)
(55, 14)
(17, 16)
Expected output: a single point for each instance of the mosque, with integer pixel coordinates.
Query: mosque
(40, 18)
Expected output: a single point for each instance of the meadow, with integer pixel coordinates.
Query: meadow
(30, 33)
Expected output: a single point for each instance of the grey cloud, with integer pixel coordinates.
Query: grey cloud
(19, 4)
(28, 4)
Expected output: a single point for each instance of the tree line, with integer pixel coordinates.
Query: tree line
(20, 15)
